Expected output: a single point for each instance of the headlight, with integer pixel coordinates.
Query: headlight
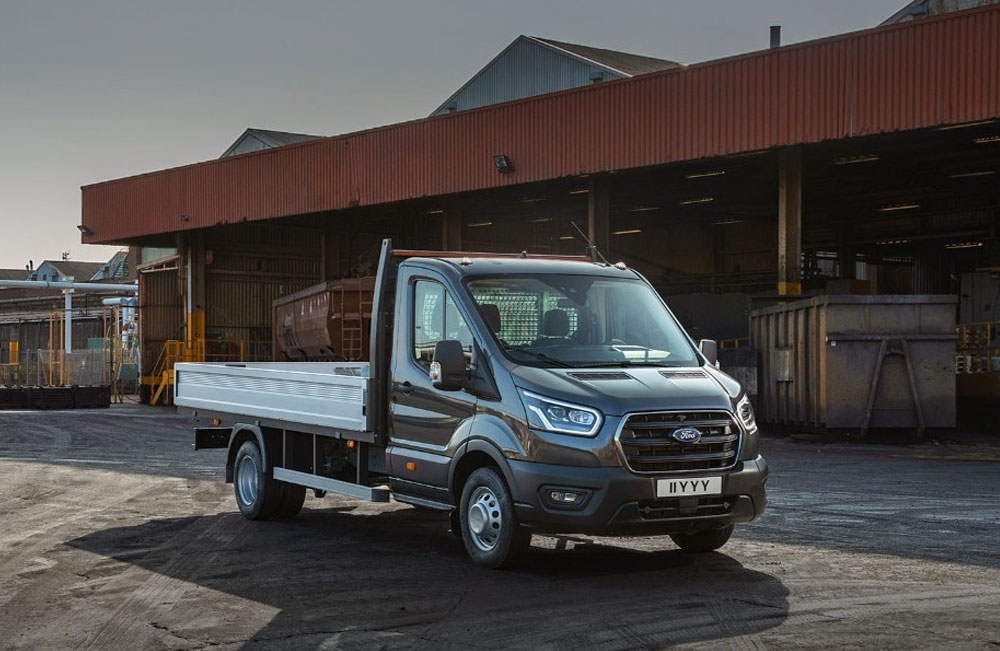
(745, 412)
(557, 416)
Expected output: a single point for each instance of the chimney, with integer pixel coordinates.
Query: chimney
(775, 36)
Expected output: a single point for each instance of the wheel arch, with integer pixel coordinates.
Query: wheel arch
(268, 441)
(475, 454)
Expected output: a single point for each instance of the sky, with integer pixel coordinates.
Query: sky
(97, 90)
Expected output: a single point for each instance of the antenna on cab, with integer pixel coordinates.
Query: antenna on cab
(592, 249)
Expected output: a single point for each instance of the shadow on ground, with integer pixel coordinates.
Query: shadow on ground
(399, 579)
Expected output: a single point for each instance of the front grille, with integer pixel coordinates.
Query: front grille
(684, 507)
(648, 446)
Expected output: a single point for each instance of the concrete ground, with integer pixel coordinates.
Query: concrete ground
(115, 534)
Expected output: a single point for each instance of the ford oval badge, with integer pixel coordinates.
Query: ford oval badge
(686, 435)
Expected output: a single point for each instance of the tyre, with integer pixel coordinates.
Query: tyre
(697, 542)
(490, 530)
(257, 495)
(292, 497)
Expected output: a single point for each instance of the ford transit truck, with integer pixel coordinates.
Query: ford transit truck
(521, 394)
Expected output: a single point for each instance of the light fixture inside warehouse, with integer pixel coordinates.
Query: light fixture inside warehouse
(964, 125)
(630, 231)
(899, 206)
(853, 160)
(690, 202)
(986, 140)
(436, 211)
(968, 175)
(86, 230)
(643, 208)
(963, 245)
(504, 165)
(702, 175)
(479, 224)
(726, 222)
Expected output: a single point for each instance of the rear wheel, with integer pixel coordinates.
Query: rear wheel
(292, 498)
(708, 540)
(257, 495)
(492, 535)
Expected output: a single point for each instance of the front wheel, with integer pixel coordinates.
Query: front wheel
(697, 542)
(492, 535)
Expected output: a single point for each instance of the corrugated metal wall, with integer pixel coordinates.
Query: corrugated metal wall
(161, 313)
(914, 75)
(250, 268)
(524, 69)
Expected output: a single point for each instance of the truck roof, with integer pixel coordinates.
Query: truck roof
(490, 264)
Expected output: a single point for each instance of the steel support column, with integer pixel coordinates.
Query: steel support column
(194, 286)
(68, 320)
(599, 215)
(451, 228)
(790, 223)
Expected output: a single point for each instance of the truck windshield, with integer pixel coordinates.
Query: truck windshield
(580, 321)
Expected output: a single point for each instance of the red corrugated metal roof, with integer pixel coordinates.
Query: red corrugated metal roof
(935, 71)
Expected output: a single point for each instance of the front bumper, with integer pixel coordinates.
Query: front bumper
(622, 503)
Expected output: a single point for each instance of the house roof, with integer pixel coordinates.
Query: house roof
(270, 139)
(80, 271)
(14, 274)
(622, 62)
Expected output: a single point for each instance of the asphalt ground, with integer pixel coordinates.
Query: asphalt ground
(115, 534)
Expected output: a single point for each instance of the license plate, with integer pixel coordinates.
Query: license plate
(689, 486)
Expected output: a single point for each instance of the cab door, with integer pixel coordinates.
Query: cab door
(423, 420)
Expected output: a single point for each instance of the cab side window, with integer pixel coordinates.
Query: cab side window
(435, 318)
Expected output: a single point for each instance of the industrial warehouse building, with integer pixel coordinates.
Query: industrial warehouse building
(860, 164)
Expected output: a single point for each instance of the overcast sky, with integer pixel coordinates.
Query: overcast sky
(95, 90)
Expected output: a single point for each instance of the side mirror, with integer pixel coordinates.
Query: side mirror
(448, 368)
(710, 349)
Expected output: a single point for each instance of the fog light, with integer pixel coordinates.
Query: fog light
(565, 497)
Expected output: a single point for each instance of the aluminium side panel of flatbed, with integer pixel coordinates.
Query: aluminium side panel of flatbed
(315, 395)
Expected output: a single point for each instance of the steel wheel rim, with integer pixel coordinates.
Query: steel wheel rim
(247, 481)
(485, 519)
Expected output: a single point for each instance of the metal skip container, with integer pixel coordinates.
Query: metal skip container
(857, 362)
(325, 322)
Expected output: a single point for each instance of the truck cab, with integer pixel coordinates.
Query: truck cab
(523, 394)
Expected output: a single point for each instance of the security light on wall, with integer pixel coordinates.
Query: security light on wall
(504, 165)
(86, 230)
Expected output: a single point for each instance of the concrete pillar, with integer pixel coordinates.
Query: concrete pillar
(451, 228)
(790, 223)
(599, 215)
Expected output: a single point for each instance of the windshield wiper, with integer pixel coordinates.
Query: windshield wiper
(543, 357)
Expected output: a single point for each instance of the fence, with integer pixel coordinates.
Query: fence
(48, 368)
